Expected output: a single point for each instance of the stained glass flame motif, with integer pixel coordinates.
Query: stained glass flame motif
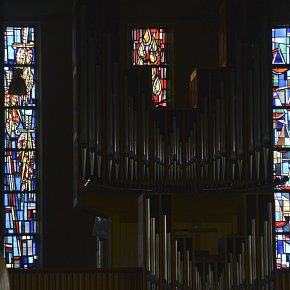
(281, 142)
(20, 167)
(150, 47)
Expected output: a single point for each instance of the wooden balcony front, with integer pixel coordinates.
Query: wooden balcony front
(104, 279)
(101, 279)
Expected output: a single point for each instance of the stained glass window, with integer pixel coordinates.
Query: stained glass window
(150, 47)
(21, 229)
(281, 142)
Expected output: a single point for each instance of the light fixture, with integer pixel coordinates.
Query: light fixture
(17, 85)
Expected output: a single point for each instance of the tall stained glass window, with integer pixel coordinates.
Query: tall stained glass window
(21, 228)
(281, 141)
(150, 47)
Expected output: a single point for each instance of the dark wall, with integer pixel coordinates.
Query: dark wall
(67, 239)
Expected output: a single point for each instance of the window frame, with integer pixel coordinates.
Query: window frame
(38, 137)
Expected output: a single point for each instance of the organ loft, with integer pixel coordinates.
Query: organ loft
(146, 145)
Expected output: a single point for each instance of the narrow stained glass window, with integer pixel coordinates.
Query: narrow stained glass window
(150, 47)
(281, 142)
(21, 233)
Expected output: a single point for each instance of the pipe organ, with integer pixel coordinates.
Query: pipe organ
(155, 240)
(171, 258)
(121, 139)
(220, 141)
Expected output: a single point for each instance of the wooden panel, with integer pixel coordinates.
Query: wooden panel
(110, 279)
(282, 279)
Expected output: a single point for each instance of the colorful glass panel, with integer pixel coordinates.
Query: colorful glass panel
(281, 119)
(150, 47)
(281, 142)
(282, 218)
(21, 233)
(280, 45)
(160, 85)
(281, 86)
(281, 169)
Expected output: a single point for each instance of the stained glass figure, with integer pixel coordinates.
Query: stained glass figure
(150, 47)
(21, 230)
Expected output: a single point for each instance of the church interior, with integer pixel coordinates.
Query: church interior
(137, 192)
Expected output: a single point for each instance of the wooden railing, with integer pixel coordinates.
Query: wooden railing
(105, 279)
